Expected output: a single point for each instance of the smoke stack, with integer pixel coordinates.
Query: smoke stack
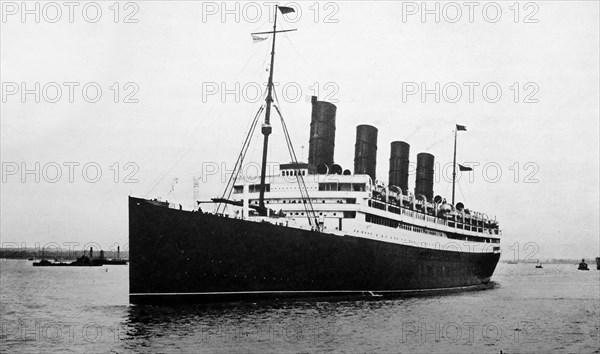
(322, 133)
(91, 252)
(365, 151)
(118, 252)
(424, 182)
(399, 160)
(336, 169)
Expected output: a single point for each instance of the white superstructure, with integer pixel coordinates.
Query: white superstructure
(354, 205)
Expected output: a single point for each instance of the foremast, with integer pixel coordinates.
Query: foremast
(266, 127)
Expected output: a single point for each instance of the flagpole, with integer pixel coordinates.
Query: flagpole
(266, 128)
(454, 166)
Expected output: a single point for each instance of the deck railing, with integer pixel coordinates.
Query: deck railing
(434, 219)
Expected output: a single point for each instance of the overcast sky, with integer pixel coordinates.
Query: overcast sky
(534, 145)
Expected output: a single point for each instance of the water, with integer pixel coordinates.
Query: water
(554, 309)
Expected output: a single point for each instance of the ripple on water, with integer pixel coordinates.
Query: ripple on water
(554, 309)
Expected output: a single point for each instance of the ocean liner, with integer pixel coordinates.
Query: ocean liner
(312, 229)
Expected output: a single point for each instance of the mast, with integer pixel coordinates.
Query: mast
(458, 128)
(266, 127)
(454, 166)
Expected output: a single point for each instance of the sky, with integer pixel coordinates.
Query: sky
(139, 98)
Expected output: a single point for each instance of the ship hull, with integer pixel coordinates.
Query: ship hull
(187, 256)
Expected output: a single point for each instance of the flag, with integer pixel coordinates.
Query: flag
(464, 168)
(284, 9)
(460, 127)
(256, 39)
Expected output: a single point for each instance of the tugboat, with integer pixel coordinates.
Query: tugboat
(583, 265)
(312, 229)
(83, 261)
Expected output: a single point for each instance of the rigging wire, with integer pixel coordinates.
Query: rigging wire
(447, 189)
(302, 67)
(260, 72)
(238, 164)
(183, 153)
(442, 139)
(308, 207)
(307, 202)
(262, 98)
(267, 20)
(299, 55)
(461, 192)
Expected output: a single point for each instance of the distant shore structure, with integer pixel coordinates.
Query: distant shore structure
(84, 260)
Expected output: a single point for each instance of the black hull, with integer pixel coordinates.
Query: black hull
(193, 257)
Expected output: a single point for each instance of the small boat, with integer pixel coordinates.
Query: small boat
(539, 265)
(583, 265)
(83, 261)
(43, 263)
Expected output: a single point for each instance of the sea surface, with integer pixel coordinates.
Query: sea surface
(550, 310)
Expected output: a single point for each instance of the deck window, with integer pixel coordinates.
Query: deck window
(358, 187)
